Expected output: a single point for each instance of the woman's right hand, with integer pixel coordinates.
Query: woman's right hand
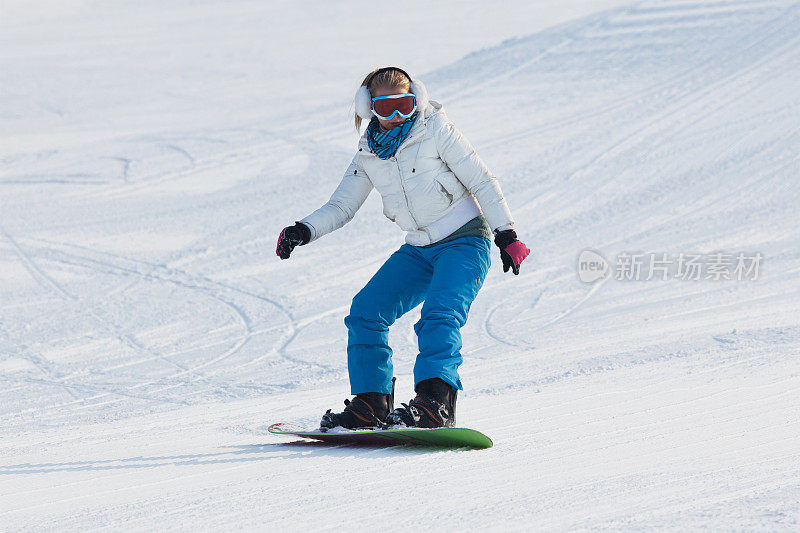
(290, 237)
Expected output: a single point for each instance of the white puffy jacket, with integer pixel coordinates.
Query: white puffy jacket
(429, 188)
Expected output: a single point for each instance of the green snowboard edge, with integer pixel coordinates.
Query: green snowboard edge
(437, 437)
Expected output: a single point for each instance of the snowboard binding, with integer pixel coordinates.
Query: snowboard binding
(433, 407)
(367, 410)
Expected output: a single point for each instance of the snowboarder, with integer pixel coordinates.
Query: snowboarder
(437, 189)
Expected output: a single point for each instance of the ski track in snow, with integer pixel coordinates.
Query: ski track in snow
(148, 334)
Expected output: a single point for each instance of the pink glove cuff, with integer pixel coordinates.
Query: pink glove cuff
(518, 251)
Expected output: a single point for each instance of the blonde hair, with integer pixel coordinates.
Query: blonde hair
(390, 77)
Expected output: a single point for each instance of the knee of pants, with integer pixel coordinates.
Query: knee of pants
(365, 317)
(438, 319)
(361, 332)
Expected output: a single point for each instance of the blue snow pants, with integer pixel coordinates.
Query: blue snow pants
(447, 278)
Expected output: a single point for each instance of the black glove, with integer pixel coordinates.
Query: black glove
(512, 251)
(290, 237)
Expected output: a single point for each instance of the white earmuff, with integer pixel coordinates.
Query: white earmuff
(363, 103)
(419, 90)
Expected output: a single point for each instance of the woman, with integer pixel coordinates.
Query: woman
(437, 189)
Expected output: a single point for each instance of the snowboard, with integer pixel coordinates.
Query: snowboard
(432, 438)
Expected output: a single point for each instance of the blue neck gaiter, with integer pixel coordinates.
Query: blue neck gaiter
(386, 143)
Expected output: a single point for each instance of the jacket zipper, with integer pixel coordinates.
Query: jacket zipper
(402, 186)
(405, 195)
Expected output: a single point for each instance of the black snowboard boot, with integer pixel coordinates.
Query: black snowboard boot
(433, 407)
(365, 410)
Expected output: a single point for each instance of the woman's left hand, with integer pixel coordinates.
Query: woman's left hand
(512, 250)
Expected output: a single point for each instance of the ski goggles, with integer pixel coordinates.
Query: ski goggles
(386, 107)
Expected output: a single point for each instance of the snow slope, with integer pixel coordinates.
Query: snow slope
(148, 334)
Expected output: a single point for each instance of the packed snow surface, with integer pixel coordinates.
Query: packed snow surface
(150, 153)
